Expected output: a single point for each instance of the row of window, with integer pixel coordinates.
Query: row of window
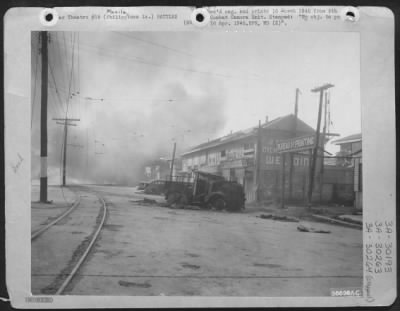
(269, 160)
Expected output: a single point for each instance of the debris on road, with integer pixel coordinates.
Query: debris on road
(337, 221)
(144, 201)
(132, 284)
(355, 219)
(311, 229)
(279, 218)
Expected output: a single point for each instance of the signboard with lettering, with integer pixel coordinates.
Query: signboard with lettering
(238, 163)
(295, 144)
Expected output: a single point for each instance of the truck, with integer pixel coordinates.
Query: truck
(208, 191)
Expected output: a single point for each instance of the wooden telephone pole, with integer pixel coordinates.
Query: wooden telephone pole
(172, 162)
(321, 90)
(294, 129)
(66, 122)
(43, 119)
(257, 172)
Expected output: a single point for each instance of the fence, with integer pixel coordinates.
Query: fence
(334, 182)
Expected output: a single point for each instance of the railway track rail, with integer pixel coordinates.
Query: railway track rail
(40, 231)
(84, 255)
(88, 249)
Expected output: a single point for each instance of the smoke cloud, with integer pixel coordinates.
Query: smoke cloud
(119, 132)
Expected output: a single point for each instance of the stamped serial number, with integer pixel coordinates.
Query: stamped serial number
(346, 292)
(39, 299)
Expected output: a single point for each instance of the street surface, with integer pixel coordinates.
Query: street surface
(147, 249)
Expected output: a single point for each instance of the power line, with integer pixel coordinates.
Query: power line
(174, 50)
(55, 108)
(55, 86)
(57, 54)
(79, 79)
(110, 53)
(35, 81)
(71, 75)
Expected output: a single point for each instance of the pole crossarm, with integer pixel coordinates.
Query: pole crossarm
(68, 124)
(322, 87)
(65, 119)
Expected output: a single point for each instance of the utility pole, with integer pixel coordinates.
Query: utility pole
(66, 122)
(257, 164)
(294, 129)
(321, 90)
(322, 149)
(283, 159)
(87, 152)
(172, 162)
(43, 119)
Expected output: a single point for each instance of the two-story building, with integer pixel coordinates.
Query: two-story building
(234, 156)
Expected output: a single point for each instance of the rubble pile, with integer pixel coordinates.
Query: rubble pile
(279, 218)
(303, 228)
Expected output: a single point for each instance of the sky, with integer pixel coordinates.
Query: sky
(136, 93)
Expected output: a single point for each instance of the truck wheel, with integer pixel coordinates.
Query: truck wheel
(218, 203)
(172, 198)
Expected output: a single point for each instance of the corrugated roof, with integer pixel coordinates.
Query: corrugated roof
(222, 140)
(348, 139)
(302, 126)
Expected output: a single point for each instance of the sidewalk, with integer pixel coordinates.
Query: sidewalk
(60, 199)
(357, 219)
(336, 214)
(56, 195)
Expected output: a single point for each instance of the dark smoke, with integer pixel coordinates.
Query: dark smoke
(113, 142)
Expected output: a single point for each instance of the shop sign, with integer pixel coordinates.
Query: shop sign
(236, 163)
(295, 144)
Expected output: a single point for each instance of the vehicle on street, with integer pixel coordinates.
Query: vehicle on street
(207, 191)
(155, 187)
(142, 185)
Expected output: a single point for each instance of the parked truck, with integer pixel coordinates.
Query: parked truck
(206, 191)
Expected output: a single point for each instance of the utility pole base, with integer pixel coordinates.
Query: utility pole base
(43, 190)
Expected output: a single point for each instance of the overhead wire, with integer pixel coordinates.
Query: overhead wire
(35, 81)
(79, 80)
(175, 50)
(62, 60)
(111, 53)
(66, 111)
(55, 89)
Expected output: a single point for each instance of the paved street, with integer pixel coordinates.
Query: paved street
(147, 249)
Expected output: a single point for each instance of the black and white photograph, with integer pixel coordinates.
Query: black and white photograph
(181, 163)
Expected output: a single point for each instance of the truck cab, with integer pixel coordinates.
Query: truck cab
(208, 191)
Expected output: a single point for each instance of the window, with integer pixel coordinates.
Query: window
(223, 153)
(247, 146)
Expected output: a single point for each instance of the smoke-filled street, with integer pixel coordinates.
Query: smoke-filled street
(149, 249)
(195, 163)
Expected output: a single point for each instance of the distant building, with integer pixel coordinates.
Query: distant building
(161, 169)
(350, 144)
(157, 169)
(350, 155)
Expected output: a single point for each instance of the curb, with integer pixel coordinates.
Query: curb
(341, 222)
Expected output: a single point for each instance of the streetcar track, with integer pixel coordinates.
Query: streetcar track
(39, 232)
(77, 266)
(68, 277)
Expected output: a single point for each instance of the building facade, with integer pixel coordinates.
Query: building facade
(262, 173)
(235, 157)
